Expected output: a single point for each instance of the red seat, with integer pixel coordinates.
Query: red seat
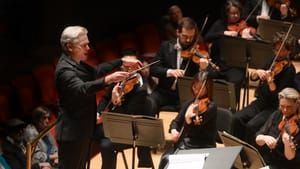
(26, 94)
(6, 96)
(92, 57)
(149, 38)
(128, 40)
(44, 76)
(107, 50)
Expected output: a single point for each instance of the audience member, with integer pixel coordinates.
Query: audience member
(247, 121)
(46, 149)
(266, 9)
(172, 65)
(279, 138)
(77, 84)
(14, 146)
(170, 22)
(232, 16)
(126, 97)
(195, 125)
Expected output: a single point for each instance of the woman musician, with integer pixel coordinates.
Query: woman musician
(277, 74)
(195, 124)
(279, 138)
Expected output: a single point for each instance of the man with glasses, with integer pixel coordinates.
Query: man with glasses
(173, 65)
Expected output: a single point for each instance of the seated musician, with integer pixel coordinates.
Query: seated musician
(230, 24)
(270, 9)
(276, 75)
(279, 138)
(173, 64)
(127, 97)
(195, 125)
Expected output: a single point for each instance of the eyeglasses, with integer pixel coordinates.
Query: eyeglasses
(186, 37)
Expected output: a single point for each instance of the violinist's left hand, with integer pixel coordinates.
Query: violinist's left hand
(189, 114)
(246, 34)
(132, 62)
(285, 138)
(203, 64)
(116, 98)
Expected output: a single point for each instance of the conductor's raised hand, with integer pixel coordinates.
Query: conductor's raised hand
(131, 62)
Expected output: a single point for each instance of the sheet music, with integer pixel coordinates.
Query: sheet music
(190, 161)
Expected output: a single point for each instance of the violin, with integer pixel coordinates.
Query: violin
(202, 105)
(127, 85)
(240, 26)
(277, 3)
(278, 66)
(289, 125)
(196, 54)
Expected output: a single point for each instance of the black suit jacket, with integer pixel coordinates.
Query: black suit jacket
(249, 6)
(167, 54)
(77, 85)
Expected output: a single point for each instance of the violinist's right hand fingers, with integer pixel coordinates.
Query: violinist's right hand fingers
(263, 17)
(176, 73)
(116, 77)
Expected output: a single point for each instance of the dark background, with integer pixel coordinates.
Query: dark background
(28, 28)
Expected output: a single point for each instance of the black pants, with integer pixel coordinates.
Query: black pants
(73, 154)
(109, 151)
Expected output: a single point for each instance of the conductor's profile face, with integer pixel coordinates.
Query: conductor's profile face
(80, 48)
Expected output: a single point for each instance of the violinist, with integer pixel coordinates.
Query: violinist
(195, 125)
(173, 65)
(272, 79)
(268, 9)
(279, 138)
(127, 97)
(232, 15)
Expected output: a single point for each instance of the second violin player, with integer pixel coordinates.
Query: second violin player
(278, 139)
(188, 132)
(127, 97)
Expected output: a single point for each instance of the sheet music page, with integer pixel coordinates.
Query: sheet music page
(184, 161)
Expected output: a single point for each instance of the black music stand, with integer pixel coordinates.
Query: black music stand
(233, 51)
(249, 158)
(223, 157)
(135, 130)
(184, 89)
(267, 29)
(239, 52)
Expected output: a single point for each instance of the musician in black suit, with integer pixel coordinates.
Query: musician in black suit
(172, 64)
(265, 9)
(126, 97)
(77, 84)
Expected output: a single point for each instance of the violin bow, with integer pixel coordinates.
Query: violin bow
(204, 24)
(256, 6)
(281, 45)
(148, 65)
(199, 92)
